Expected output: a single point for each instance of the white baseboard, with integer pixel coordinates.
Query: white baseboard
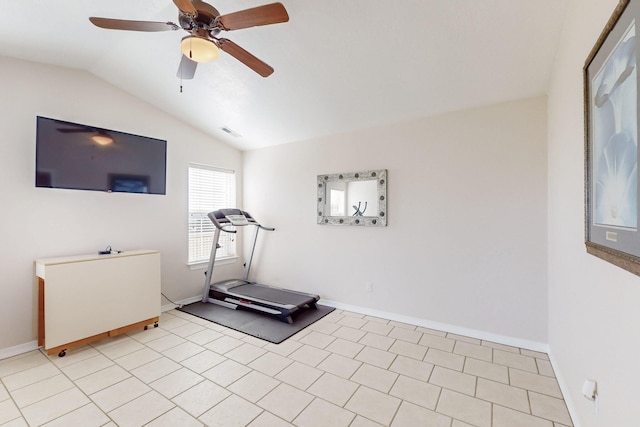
(565, 389)
(473, 333)
(445, 327)
(18, 349)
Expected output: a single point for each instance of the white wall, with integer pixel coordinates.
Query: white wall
(466, 240)
(42, 222)
(593, 306)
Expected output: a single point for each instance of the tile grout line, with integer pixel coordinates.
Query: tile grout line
(91, 402)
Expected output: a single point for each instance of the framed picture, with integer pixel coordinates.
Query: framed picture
(611, 141)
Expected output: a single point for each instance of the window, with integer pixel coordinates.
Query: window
(337, 202)
(210, 189)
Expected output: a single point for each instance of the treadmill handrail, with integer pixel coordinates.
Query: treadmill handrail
(227, 230)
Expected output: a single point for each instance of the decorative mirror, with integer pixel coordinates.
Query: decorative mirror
(355, 198)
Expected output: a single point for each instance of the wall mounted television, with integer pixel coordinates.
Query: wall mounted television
(83, 157)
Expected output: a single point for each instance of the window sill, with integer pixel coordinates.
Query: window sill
(219, 261)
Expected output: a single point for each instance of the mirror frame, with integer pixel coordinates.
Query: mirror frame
(380, 220)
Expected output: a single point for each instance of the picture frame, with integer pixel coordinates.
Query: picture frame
(611, 108)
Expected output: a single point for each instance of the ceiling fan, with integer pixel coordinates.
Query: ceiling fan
(204, 23)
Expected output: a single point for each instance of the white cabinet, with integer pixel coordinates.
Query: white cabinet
(90, 297)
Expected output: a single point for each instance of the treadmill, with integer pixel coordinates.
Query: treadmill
(242, 293)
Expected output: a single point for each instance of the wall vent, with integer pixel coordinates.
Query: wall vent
(230, 132)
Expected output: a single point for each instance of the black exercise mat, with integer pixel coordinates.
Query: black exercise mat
(257, 324)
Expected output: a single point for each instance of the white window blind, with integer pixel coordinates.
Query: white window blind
(210, 189)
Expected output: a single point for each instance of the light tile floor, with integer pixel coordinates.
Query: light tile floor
(345, 370)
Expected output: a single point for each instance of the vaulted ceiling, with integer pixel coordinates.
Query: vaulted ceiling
(339, 65)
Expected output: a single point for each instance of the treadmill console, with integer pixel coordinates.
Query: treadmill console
(225, 217)
(237, 219)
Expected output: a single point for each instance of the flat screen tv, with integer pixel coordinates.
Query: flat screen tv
(82, 157)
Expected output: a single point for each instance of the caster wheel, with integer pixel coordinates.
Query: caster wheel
(146, 327)
(63, 353)
(155, 325)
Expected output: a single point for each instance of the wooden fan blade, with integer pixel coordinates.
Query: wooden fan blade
(245, 57)
(122, 24)
(187, 68)
(186, 6)
(262, 15)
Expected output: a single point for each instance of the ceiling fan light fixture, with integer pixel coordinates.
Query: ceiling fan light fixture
(199, 49)
(102, 139)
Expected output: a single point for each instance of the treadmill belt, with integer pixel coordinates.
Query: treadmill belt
(272, 294)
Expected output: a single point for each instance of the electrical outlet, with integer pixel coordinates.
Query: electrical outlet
(368, 286)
